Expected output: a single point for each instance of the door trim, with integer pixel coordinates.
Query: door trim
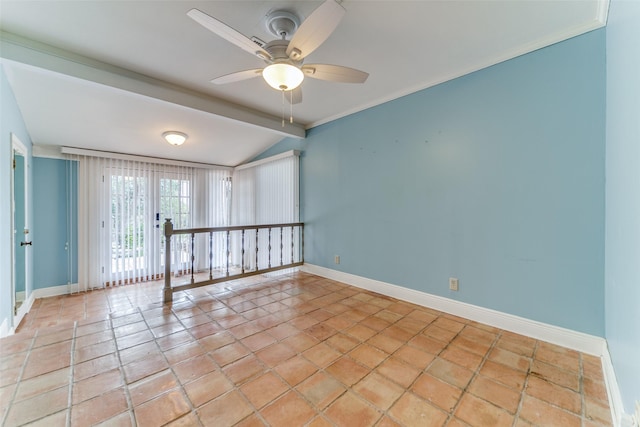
(17, 316)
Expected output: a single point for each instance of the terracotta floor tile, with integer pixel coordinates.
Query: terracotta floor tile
(275, 354)
(38, 406)
(351, 411)
(385, 343)
(152, 386)
(398, 371)
(263, 389)
(504, 375)
(437, 392)
(96, 385)
(342, 342)
(347, 371)
(518, 344)
(296, 370)
(496, 393)
(426, 344)
(35, 367)
(476, 347)
(258, 341)
(229, 353)
(414, 357)
(216, 341)
(321, 355)
(162, 409)
(565, 359)
(450, 372)
(368, 355)
(321, 389)
(99, 408)
(510, 359)
(597, 411)
(595, 390)
(541, 413)
(360, 332)
(207, 387)
(188, 420)
(410, 410)
(552, 393)
(219, 354)
(226, 410)
(288, 410)
(174, 340)
(378, 390)
(480, 413)
(557, 376)
(95, 350)
(184, 352)
(142, 368)
(244, 369)
(42, 384)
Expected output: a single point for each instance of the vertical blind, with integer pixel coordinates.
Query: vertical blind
(123, 203)
(122, 206)
(265, 192)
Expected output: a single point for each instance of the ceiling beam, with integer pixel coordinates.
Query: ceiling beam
(41, 55)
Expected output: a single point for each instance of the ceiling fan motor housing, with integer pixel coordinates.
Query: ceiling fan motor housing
(282, 24)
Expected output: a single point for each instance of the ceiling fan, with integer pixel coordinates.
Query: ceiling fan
(285, 55)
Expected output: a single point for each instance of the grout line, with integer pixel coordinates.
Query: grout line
(71, 372)
(526, 383)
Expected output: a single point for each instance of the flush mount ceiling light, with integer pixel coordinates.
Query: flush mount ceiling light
(175, 138)
(283, 76)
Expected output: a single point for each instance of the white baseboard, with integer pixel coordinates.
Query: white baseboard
(54, 291)
(579, 341)
(619, 417)
(4, 328)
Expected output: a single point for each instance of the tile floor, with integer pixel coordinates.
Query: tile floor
(297, 350)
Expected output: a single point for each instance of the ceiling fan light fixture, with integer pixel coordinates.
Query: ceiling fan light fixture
(283, 76)
(174, 137)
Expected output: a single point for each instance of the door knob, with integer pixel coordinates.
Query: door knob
(26, 243)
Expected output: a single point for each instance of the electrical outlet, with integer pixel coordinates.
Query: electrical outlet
(453, 283)
(336, 259)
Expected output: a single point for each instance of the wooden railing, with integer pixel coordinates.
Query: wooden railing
(241, 253)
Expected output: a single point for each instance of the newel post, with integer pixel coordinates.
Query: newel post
(168, 232)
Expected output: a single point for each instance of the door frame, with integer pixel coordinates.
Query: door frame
(18, 315)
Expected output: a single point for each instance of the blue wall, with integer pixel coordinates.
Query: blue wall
(496, 178)
(54, 184)
(622, 265)
(10, 122)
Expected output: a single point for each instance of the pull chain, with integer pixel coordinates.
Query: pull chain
(282, 107)
(291, 110)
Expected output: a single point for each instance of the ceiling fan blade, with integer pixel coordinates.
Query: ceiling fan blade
(238, 76)
(294, 96)
(315, 29)
(228, 33)
(334, 73)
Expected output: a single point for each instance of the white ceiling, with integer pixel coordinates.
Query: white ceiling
(114, 75)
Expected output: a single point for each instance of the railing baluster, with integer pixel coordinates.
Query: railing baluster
(193, 255)
(228, 250)
(281, 246)
(174, 250)
(269, 248)
(210, 255)
(242, 259)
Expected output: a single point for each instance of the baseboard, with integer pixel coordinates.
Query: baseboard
(4, 328)
(619, 417)
(579, 341)
(53, 291)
